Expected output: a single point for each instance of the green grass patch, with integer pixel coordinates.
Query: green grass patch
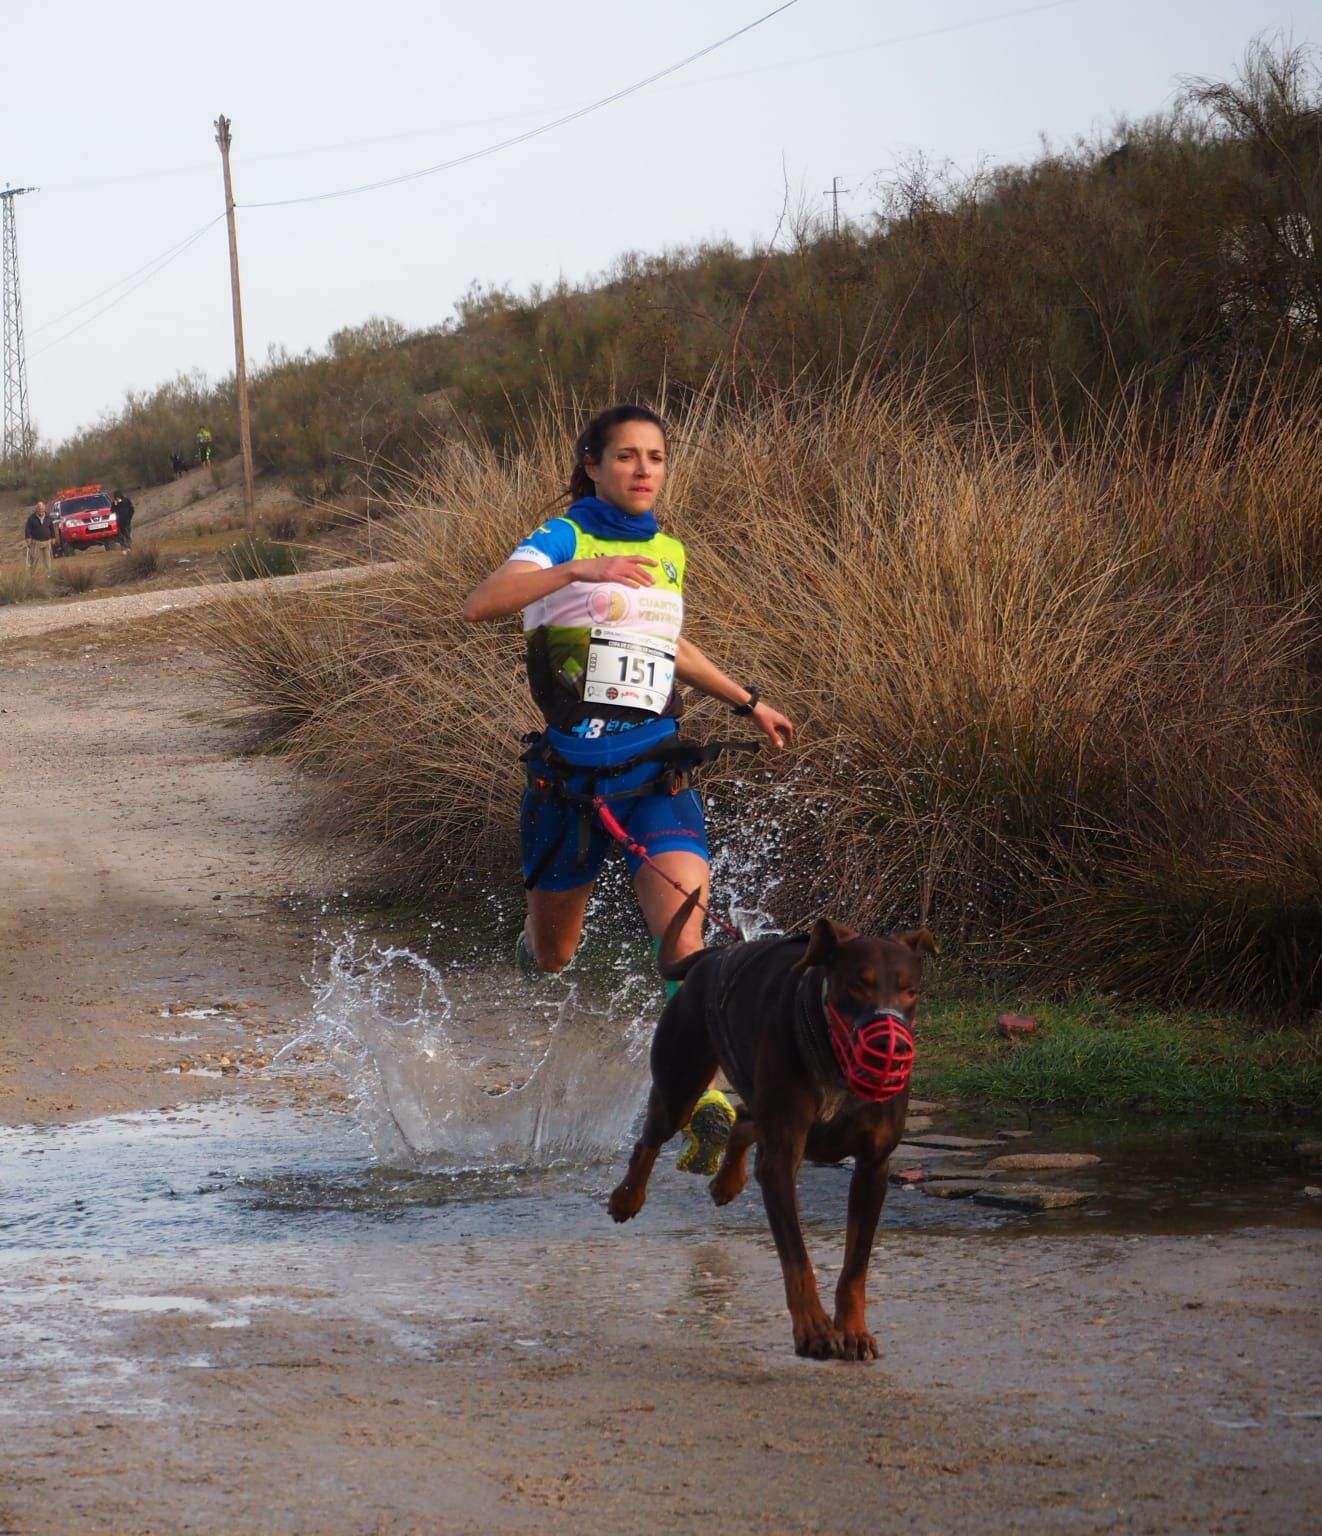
(1093, 1053)
(253, 558)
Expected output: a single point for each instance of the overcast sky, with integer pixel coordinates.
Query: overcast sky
(109, 110)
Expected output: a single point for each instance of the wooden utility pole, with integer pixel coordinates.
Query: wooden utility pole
(222, 126)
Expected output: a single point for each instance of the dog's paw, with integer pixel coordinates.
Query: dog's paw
(817, 1339)
(857, 1345)
(723, 1189)
(625, 1203)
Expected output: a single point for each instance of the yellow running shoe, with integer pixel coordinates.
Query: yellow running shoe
(706, 1134)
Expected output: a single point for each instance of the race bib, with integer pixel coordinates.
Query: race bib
(630, 669)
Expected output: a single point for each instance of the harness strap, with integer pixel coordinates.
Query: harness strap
(740, 1072)
(810, 1035)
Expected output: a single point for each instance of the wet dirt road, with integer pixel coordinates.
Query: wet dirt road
(215, 1318)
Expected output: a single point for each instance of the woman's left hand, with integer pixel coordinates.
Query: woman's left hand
(777, 728)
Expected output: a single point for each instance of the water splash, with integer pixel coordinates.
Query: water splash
(468, 1068)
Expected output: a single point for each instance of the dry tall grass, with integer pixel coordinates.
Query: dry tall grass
(1059, 699)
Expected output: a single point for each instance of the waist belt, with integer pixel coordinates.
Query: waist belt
(549, 771)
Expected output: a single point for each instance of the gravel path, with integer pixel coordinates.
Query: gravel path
(22, 620)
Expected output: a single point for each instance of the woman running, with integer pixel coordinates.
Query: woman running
(601, 593)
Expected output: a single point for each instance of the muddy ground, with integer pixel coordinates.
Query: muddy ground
(517, 1365)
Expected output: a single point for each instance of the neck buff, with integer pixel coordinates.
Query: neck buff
(604, 520)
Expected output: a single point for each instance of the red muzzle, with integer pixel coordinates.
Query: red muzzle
(875, 1055)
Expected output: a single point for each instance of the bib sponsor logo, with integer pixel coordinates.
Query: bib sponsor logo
(671, 573)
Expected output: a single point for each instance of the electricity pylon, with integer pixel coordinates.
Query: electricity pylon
(17, 440)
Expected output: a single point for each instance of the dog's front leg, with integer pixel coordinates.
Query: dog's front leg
(867, 1195)
(778, 1158)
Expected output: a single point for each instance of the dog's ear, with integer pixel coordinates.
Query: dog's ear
(919, 940)
(827, 936)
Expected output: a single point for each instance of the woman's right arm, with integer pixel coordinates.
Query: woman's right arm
(512, 586)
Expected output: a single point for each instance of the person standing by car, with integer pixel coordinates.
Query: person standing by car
(39, 530)
(124, 512)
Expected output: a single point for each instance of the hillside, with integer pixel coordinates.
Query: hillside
(1176, 254)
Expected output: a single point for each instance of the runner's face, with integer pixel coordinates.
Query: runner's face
(632, 469)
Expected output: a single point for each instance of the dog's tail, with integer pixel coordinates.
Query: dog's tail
(670, 968)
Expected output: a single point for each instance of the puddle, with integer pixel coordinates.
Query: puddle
(222, 1174)
(487, 1108)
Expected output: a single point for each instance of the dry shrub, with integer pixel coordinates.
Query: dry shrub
(139, 564)
(1053, 698)
(69, 577)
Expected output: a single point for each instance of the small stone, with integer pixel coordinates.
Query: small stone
(917, 1122)
(1029, 1197)
(925, 1107)
(1039, 1162)
(952, 1189)
(1013, 1135)
(942, 1143)
(1313, 1191)
(1014, 1026)
(954, 1168)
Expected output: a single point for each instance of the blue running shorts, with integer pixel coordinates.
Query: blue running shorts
(661, 823)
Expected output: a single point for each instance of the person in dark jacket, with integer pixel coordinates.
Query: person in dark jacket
(39, 530)
(124, 512)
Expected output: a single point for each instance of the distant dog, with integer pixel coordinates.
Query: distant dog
(815, 1033)
(178, 466)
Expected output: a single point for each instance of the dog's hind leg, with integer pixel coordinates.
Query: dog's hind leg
(683, 1064)
(665, 1115)
(732, 1175)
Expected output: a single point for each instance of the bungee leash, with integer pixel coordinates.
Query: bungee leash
(611, 823)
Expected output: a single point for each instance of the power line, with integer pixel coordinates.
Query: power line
(890, 42)
(158, 268)
(177, 248)
(531, 133)
(433, 129)
(159, 263)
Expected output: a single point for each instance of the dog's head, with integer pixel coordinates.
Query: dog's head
(870, 997)
(867, 975)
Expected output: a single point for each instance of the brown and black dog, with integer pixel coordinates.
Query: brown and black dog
(758, 1010)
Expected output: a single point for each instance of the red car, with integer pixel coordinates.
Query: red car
(83, 518)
